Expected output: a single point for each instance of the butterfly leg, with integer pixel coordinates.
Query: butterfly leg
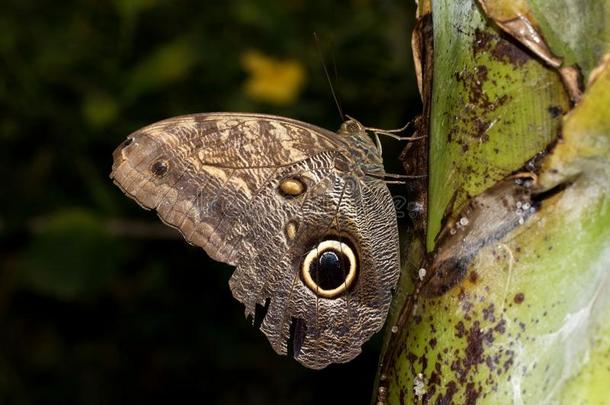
(378, 144)
(391, 134)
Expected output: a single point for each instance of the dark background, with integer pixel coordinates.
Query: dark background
(101, 303)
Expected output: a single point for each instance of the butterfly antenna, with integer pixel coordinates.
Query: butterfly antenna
(330, 83)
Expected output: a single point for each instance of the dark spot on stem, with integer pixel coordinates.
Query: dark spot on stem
(519, 298)
(555, 111)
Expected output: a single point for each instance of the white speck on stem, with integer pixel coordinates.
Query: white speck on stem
(421, 273)
(419, 386)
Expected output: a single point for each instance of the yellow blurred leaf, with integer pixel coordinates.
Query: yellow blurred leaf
(272, 80)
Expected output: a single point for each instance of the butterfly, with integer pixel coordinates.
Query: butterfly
(303, 213)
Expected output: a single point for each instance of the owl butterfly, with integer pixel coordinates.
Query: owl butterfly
(302, 212)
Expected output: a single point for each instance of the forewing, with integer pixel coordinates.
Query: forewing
(201, 171)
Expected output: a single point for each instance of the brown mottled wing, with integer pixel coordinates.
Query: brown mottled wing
(218, 184)
(216, 163)
(325, 330)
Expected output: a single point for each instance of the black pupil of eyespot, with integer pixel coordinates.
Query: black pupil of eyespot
(330, 270)
(159, 168)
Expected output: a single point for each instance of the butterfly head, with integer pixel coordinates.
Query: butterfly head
(351, 127)
(364, 151)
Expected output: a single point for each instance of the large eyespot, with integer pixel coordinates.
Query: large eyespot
(330, 268)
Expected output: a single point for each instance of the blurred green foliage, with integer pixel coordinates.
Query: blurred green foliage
(99, 303)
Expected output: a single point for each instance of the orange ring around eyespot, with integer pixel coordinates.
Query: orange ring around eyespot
(313, 255)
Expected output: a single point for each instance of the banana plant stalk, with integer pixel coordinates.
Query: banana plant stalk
(504, 295)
